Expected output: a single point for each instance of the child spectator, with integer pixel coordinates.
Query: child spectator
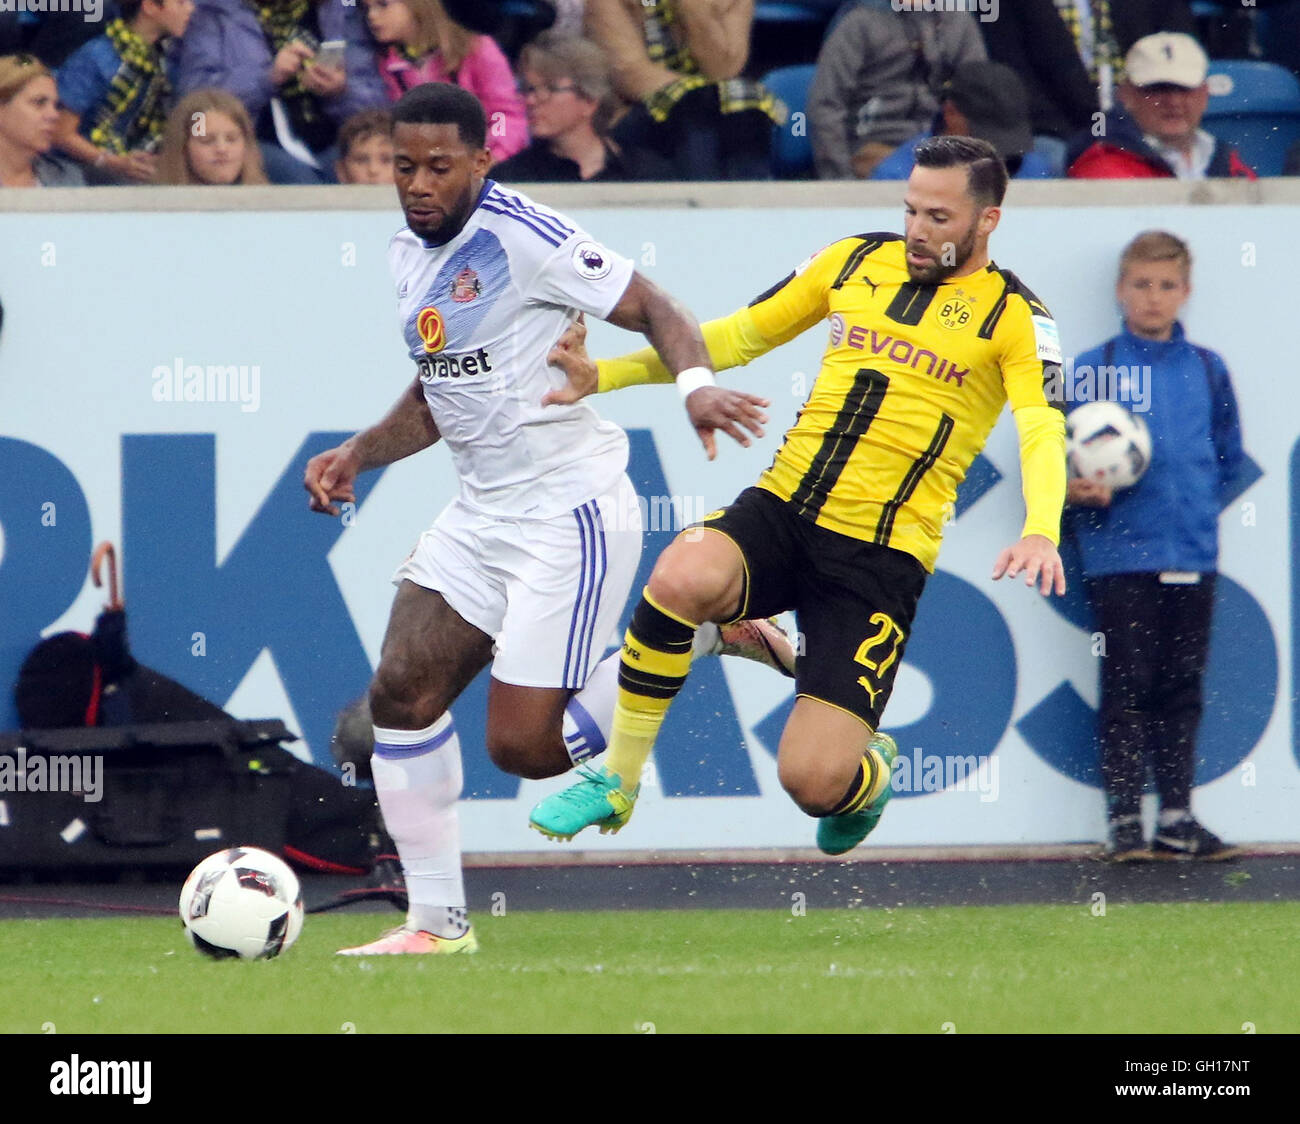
(427, 45)
(29, 115)
(115, 93)
(264, 52)
(1150, 553)
(570, 102)
(878, 81)
(678, 64)
(210, 139)
(366, 148)
(1158, 133)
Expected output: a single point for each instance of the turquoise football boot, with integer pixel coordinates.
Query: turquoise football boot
(838, 834)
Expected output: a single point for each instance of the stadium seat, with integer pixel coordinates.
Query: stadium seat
(798, 11)
(792, 156)
(1255, 107)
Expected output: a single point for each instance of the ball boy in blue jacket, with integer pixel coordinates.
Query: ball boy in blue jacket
(1150, 552)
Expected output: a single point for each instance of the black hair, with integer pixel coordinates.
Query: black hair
(129, 9)
(440, 103)
(987, 182)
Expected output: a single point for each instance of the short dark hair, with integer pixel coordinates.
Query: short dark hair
(129, 9)
(987, 174)
(441, 103)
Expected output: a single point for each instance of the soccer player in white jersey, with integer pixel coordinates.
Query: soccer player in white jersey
(538, 552)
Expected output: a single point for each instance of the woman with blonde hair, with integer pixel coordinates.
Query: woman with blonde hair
(426, 45)
(209, 139)
(29, 116)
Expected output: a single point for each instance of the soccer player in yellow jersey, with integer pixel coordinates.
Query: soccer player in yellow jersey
(928, 339)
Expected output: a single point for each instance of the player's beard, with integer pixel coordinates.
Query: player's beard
(452, 224)
(937, 270)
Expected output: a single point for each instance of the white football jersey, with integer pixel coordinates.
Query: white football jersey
(479, 316)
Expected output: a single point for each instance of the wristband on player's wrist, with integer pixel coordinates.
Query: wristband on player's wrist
(691, 379)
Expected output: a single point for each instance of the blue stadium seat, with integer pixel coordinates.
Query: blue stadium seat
(796, 11)
(792, 156)
(1255, 108)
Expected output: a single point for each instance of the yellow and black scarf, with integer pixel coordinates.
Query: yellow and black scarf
(134, 110)
(734, 94)
(1105, 48)
(282, 24)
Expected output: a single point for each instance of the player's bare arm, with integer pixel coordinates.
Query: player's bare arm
(407, 428)
(675, 335)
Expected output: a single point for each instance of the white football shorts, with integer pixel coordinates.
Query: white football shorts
(548, 591)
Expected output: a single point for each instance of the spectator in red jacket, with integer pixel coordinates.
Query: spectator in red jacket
(1158, 132)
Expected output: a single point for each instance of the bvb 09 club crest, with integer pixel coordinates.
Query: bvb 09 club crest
(466, 286)
(955, 313)
(431, 328)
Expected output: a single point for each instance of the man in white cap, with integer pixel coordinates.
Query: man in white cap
(1158, 133)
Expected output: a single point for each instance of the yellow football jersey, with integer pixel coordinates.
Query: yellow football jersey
(913, 379)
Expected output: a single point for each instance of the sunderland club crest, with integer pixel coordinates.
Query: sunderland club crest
(466, 286)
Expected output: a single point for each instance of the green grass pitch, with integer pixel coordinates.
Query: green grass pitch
(990, 969)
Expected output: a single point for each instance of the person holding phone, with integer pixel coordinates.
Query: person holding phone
(301, 67)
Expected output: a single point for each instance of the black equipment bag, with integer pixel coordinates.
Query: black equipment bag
(149, 797)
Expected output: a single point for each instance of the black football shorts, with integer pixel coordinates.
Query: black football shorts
(854, 601)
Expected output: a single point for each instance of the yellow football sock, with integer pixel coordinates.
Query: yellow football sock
(871, 779)
(656, 659)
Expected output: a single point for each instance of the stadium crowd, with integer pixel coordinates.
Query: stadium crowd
(293, 91)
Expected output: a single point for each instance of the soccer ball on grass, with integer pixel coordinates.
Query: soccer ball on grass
(242, 902)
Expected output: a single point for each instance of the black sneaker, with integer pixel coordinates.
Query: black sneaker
(1187, 839)
(1126, 844)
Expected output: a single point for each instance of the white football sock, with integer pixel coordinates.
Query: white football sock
(708, 640)
(589, 716)
(418, 778)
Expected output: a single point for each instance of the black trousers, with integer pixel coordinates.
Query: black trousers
(1157, 637)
